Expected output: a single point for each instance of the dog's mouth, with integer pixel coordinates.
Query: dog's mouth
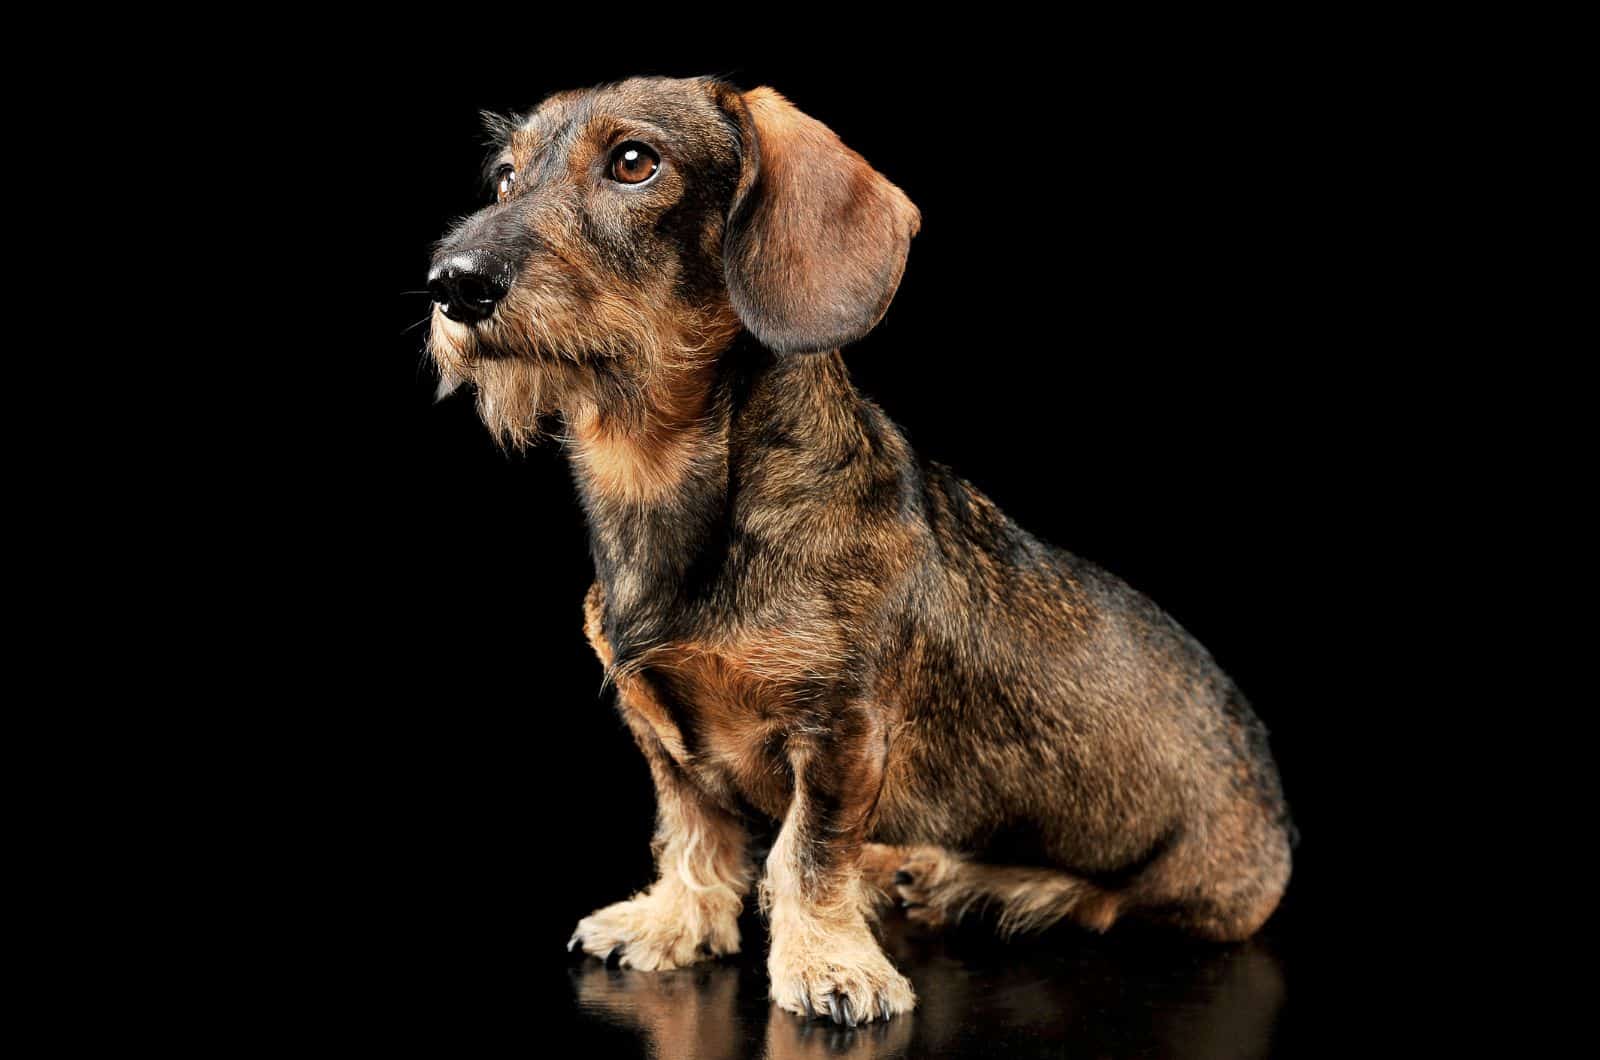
(475, 314)
(464, 339)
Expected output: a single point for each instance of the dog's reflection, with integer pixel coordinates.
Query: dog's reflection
(687, 1013)
(789, 1037)
(694, 1013)
(1107, 1000)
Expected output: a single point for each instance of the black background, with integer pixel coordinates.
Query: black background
(1139, 316)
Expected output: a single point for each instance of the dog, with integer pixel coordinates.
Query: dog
(804, 622)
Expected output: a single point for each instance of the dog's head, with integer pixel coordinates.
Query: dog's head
(637, 227)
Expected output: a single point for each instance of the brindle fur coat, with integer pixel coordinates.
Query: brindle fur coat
(805, 622)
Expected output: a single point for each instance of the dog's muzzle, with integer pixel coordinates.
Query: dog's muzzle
(468, 285)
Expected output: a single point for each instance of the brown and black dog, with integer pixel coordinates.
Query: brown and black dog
(804, 621)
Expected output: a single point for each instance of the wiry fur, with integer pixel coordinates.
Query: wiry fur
(938, 887)
(807, 623)
(613, 360)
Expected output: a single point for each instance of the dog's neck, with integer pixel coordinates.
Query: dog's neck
(662, 498)
(624, 466)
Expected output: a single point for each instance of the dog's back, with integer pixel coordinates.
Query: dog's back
(1039, 710)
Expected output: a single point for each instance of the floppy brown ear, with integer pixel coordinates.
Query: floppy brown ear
(817, 238)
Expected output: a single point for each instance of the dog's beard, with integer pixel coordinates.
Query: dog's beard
(537, 355)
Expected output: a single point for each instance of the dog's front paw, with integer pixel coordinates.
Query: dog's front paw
(843, 976)
(664, 928)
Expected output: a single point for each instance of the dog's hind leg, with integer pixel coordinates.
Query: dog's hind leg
(879, 862)
(939, 887)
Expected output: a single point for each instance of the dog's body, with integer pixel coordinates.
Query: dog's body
(805, 623)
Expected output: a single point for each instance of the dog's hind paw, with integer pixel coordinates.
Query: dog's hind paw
(925, 883)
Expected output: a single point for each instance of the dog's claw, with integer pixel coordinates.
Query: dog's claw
(571, 943)
(833, 1009)
(811, 1013)
(849, 1017)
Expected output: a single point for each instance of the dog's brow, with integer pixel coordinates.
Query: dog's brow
(539, 145)
(613, 128)
(541, 132)
(530, 137)
(499, 127)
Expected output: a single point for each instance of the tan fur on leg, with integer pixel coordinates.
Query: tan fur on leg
(690, 913)
(824, 959)
(692, 910)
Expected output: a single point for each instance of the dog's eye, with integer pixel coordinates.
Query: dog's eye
(634, 163)
(505, 180)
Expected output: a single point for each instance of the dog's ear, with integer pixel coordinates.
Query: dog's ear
(816, 238)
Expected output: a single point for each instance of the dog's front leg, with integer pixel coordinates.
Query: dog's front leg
(824, 959)
(691, 912)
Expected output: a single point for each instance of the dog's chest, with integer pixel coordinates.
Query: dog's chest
(730, 712)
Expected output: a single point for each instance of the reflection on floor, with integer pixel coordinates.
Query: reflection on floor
(1066, 994)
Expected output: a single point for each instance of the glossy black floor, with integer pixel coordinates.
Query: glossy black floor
(460, 862)
(1067, 994)
(468, 863)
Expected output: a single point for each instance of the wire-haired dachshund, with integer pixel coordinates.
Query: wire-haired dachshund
(805, 622)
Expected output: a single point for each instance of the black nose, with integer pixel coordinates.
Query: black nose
(467, 286)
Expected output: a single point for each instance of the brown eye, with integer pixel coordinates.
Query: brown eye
(634, 163)
(506, 180)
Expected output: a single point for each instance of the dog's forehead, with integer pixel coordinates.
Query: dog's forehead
(682, 106)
